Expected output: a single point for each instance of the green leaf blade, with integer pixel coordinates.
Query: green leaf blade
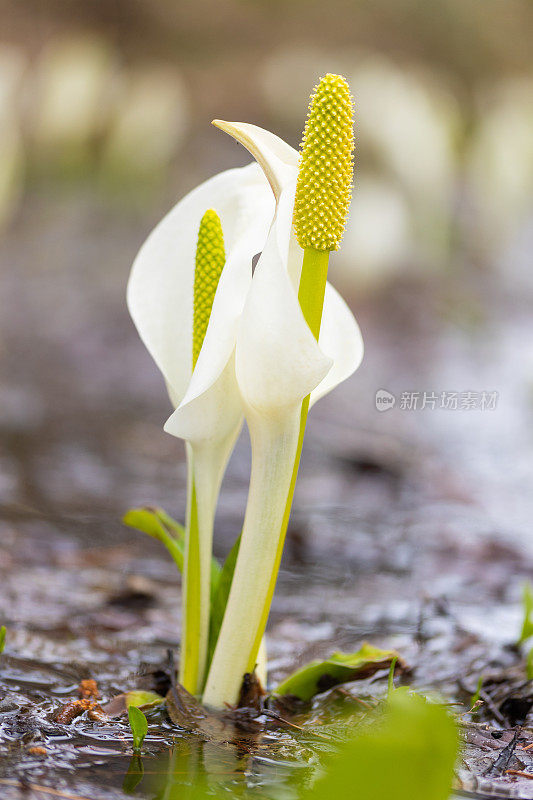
(148, 521)
(527, 623)
(141, 699)
(529, 665)
(138, 725)
(318, 676)
(3, 632)
(219, 598)
(161, 526)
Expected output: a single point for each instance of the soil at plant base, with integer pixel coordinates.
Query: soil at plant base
(411, 529)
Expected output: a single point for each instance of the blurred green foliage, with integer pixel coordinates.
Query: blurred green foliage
(409, 754)
(527, 622)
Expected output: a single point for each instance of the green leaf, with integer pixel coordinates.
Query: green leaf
(317, 676)
(138, 725)
(407, 753)
(119, 704)
(219, 598)
(148, 521)
(159, 525)
(169, 522)
(529, 665)
(142, 699)
(527, 624)
(475, 697)
(179, 532)
(155, 522)
(2, 638)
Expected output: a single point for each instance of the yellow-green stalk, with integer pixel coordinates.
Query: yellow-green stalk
(210, 258)
(321, 205)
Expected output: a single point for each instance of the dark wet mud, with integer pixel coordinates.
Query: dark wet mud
(411, 528)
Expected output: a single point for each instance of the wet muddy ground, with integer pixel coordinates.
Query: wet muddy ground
(411, 527)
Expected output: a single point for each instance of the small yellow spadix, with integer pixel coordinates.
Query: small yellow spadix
(324, 187)
(210, 259)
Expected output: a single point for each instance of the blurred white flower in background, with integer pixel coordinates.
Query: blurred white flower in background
(149, 124)
(286, 75)
(500, 163)
(12, 69)
(81, 113)
(13, 65)
(378, 239)
(410, 120)
(407, 123)
(72, 99)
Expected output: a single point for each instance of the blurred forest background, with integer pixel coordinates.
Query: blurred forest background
(104, 123)
(115, 97)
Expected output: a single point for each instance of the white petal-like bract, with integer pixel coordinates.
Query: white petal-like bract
(160, 289)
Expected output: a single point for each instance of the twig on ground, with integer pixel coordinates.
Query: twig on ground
(493, 708)
(273, 715)
(519, 773)
(502, 762)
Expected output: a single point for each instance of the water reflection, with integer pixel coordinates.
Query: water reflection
(134, 775)
(192, 769)
(269, 753)
(264, 765)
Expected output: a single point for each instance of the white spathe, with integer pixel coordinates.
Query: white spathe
(161, 285)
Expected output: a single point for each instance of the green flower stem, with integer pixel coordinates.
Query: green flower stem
(276, 449)
(191, 590)
(205, 469)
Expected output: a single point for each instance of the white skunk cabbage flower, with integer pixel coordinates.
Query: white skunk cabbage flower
(186, 308)
(278, 364)
(228, 344)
